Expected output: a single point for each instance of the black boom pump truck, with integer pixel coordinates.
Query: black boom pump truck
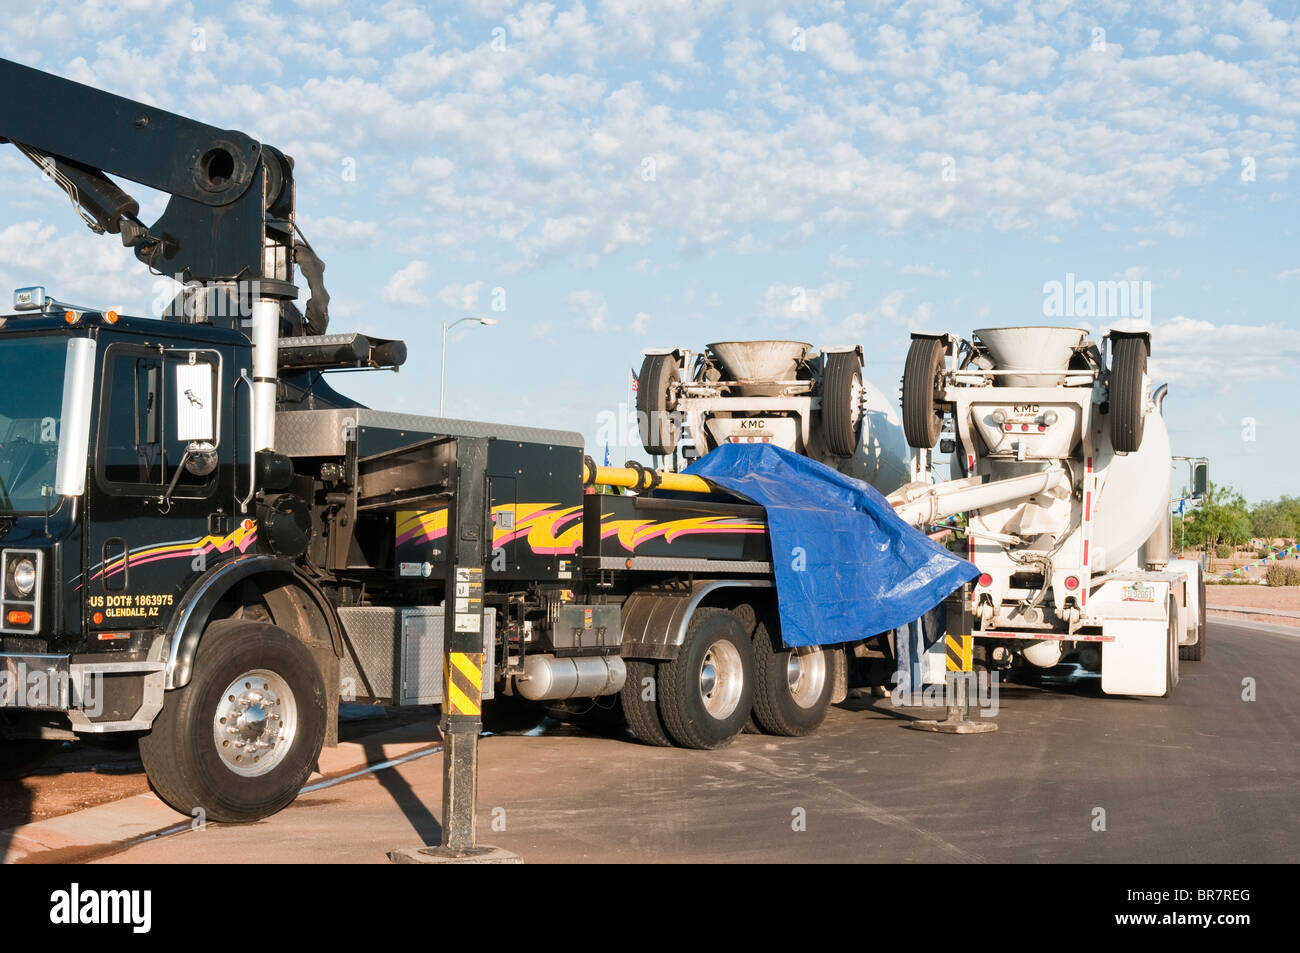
(204, 544)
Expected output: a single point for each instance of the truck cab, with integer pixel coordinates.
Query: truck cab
(125, 474)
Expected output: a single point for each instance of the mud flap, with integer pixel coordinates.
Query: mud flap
(1137, 661)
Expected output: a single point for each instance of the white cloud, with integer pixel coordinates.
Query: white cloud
(463, 297)
(403, 289)
(1217, 356)
(590, 308)
(788, 302)
(929, 270)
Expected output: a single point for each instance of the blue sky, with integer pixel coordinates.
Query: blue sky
(625, 174)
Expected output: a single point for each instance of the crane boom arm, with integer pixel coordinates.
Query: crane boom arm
(231, 213)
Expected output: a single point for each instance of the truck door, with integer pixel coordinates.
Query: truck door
(157, 515)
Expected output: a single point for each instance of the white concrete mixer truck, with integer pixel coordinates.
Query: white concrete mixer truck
(813, 402)
(1061, 462)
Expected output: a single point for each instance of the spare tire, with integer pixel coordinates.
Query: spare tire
(922, 391)
(842, 403)
(655, 402)
(1128, 367)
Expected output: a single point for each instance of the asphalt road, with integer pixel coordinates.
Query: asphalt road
(1206, 776)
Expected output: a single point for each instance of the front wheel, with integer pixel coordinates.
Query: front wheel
(707, 691)
(240, 740)
(793, 686)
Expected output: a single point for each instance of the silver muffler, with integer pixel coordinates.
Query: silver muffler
(547, 678)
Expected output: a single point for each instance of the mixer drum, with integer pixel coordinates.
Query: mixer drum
(1132, 501)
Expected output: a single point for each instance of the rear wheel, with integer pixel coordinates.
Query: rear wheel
(707, 691)
(1128, 366)
(792, 690)
(922, 392)
(640, 700)
(842, 403)
(655, 403)
(241, 739)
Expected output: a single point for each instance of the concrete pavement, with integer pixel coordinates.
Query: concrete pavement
(1071, 776)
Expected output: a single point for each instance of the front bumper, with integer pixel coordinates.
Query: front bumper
(35, 682)
(97, 697)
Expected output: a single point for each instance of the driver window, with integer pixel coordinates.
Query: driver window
(138, 444)
(132, 446)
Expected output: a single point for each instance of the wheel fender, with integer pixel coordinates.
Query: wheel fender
(846, 349)
(188, 622)
(1143, 336)
(655, 620)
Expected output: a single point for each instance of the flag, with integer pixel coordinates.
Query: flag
(634, 382)
(606, 453)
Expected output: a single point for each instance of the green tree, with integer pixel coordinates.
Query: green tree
(1222, 519)
(1271, 521)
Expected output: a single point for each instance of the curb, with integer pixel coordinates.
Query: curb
(101, 829)
(1293, 631)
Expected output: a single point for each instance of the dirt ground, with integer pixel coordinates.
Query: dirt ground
(1281, 598)
(85, 773)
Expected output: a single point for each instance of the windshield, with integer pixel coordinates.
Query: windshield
(31, 402)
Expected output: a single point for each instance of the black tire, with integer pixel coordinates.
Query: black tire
(642, 712)
(19, 757)
(1196, 651)
(781, 708)
(716, 636)
(1128, 365)
(181, 755)
(842, 403)
(1171, 655)
(654, 404)
(922, 386)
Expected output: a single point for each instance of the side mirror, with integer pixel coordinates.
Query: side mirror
(200, 458)
(1200, 479)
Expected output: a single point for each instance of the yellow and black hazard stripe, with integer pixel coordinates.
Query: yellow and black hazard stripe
(961, 651)
(463, 680)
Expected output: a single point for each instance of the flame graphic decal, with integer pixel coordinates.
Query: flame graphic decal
(553, 530)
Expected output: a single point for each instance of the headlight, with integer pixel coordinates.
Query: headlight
(22, 576)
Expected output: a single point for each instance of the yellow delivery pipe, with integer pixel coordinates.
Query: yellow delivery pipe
(640, 478)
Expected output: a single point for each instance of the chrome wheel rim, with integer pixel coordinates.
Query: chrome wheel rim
(805, 672)
(722, 679)
(255, 723)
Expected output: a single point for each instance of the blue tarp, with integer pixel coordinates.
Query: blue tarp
(846, 567)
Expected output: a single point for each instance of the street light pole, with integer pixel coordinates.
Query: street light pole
(442, 374)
